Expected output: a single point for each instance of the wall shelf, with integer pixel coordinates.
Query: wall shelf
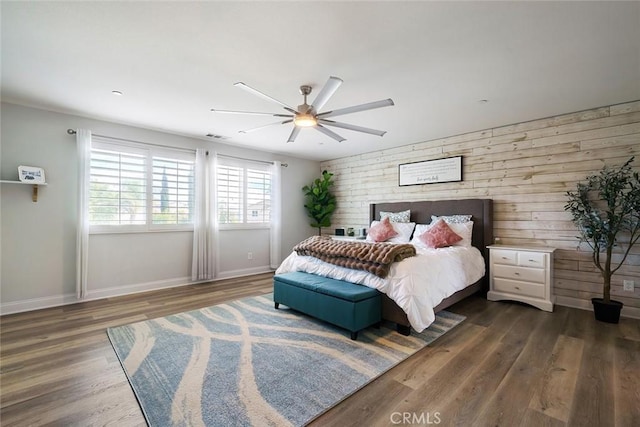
(34, 192)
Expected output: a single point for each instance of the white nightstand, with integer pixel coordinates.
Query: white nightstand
(521, 273)
(349, 238)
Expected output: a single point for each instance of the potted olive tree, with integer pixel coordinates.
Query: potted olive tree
(606, 210)
(319, 201)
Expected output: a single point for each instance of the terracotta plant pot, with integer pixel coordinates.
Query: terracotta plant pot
(606, 312)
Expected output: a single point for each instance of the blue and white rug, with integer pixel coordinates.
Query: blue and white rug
(244, 363)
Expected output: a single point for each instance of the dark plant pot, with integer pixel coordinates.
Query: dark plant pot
(606, 311)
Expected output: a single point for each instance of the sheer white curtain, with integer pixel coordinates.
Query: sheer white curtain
(276, 215)
(204, 221)
(83, 143)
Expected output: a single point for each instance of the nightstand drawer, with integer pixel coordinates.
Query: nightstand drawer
(531, 259)
(519, 288)
(519, 273)
(505, 257)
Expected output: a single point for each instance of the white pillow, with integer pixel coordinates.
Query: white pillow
(404, 230)
(464, 230)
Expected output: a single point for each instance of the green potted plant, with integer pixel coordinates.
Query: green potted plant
(319, 202)
(605, 208)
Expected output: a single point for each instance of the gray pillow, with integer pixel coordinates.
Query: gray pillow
(396, 216)
(452, 219)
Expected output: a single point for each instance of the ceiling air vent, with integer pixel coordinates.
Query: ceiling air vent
(214, 136)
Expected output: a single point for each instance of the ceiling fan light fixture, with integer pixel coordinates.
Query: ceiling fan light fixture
(310, 116)
(305, 120)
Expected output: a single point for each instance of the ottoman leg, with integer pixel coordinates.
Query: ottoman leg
(354, 336)
(276, 304)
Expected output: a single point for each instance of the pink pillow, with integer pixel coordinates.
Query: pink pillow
(439, 235)
(382, 231)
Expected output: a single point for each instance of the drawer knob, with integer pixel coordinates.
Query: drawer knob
(516, 273)
(517, 287)
(504, 257)
(532, 260)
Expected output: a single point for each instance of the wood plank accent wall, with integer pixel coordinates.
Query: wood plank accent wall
(526, 168)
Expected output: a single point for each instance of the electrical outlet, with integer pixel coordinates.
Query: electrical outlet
(249, 255)
(628, 285)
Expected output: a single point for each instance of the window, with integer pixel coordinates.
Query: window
(243, 192)
(117, 189)
(173, 191)
(138, 187)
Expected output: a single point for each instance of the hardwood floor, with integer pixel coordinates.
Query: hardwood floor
(506, 365)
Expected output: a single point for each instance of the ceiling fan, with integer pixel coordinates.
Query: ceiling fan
(308, 115)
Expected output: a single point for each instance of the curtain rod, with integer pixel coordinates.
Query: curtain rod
(73, 132)
(284, 165)
(188, 150)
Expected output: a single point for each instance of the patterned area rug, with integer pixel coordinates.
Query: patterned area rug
(245, 363)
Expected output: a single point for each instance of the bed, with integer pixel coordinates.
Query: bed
(421, 212)
(482, 217)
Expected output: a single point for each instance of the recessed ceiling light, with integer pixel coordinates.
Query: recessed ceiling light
(483, 101)
(116, 93)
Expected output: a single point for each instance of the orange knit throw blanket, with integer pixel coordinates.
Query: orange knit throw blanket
(376, 258)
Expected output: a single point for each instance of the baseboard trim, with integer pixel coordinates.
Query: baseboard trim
(92, 295)
(66, 299)
(136, 288)
(630, 312)
(37, 303)
(243, 272)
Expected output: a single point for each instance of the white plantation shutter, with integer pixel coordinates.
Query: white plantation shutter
(230, 186)
(139, 187)
(173, 191)
(258, 195)
(118, 188)
(243, 192)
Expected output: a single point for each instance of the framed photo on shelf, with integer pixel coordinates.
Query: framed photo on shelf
(31, 174)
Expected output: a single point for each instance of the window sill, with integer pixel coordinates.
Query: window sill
(141, 231)
(236, 227)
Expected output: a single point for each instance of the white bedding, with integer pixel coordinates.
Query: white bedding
(417, 284)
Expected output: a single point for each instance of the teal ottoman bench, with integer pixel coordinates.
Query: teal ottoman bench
(350, 306)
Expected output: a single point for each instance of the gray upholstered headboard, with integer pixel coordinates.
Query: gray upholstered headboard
(480, 209)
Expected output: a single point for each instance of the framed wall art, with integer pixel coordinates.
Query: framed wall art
(430, 171)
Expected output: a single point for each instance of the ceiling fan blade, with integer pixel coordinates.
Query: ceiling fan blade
(263, 96)
(356, 108)
(251, 113)
(352, 127)
(326, 93)
(266, 126)
(330, 133)
(294, 134)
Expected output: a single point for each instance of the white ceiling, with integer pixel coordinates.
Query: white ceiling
(174, 61)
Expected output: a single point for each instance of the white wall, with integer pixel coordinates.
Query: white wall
(234, 247)
(37, 240)
(124, 263)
